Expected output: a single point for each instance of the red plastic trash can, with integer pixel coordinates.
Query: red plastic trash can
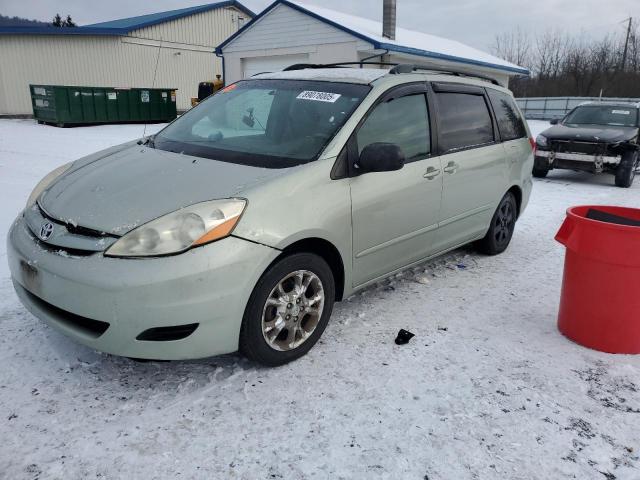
(600, 301)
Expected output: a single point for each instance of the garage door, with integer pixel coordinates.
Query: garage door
(254, 65)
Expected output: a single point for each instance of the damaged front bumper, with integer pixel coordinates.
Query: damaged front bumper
(596, 163)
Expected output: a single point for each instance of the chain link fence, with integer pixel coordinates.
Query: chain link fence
(547, 108)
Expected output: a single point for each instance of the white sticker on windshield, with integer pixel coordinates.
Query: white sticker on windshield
(319, 96)
(622, 112)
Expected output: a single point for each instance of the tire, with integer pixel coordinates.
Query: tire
(281, 325)
(540, 172)
(502, 226)
(626, 171)
(540, 168)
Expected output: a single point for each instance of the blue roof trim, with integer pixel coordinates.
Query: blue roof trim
(376, 44)
(142, 21)
(61, 31)
(124, 25)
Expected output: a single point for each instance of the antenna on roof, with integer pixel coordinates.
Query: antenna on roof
(153, 83)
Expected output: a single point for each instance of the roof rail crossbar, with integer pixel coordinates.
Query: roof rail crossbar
(410, 68)
(302, 66)
(397, 68)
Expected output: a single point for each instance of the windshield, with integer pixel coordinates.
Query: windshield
(603, 115)
(264, 123)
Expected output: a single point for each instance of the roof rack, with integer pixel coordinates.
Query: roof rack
(302, 66)
(397, 68)
(410, 68)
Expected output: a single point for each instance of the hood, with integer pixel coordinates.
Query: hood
(134, 185)
(590, 133)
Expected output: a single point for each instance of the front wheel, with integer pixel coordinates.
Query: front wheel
(540, 172)
(626, 171)
(288, 310)
(502, 226)
(540, 168)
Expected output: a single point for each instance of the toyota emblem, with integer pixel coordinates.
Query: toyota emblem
(46, 229)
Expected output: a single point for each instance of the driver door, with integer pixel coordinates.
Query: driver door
(395, 214)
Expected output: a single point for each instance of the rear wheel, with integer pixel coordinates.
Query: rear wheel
(502, 226)
(288, 310)
(626, 171)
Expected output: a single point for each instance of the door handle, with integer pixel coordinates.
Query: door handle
(431, 173)
(451, 168)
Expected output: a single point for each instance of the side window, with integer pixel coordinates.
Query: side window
(509, 120)
(464, 121)
(403, 121)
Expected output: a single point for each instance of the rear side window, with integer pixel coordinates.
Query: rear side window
(403, 121)
(508, 117)
(464, 121)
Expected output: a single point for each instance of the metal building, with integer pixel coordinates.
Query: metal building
(289, 32)
(119, 53)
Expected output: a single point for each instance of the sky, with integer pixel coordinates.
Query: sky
(473, 22)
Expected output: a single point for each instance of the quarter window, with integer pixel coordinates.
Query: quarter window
(403, 121)
(465, 121)
(508, 117)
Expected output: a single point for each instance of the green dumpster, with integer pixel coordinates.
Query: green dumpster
(64, 105)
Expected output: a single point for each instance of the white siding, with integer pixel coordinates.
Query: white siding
(186, 58)
(283, 27)
(206, 29)
(253, 65)
(285, 31)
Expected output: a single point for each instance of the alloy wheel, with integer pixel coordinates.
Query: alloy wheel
(504, 223)
(292, 310)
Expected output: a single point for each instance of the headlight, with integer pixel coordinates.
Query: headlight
(541, 140)
(181, 230)
(45, 182)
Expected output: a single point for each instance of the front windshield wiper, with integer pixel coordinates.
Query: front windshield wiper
(147, 141)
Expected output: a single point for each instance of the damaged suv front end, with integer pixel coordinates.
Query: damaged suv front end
(596, 138)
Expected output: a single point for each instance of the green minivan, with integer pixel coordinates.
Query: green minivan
(238, 225)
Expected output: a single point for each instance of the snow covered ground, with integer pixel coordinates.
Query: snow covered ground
(488, 388)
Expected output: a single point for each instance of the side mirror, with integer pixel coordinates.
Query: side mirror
(554, 121)
(381, 157)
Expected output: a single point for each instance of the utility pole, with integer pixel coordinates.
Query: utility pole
(626, 44)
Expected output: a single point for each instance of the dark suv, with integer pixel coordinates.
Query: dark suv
(593, 137)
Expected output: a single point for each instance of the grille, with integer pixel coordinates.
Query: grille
(579, 147)
(88, 326)
(75, 229)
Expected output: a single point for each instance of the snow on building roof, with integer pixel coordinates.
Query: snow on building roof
(125, 25)
(407, 41)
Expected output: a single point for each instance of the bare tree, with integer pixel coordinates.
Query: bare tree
(561, 64)
(514, 47)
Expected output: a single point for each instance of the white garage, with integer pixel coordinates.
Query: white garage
(289, 32)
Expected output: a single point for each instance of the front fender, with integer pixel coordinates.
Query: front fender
(305, 204)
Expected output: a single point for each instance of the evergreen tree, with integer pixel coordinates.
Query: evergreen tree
(57, 21)
(68, 22)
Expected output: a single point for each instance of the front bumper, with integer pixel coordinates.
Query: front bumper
(209, 285)
(576, 161)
